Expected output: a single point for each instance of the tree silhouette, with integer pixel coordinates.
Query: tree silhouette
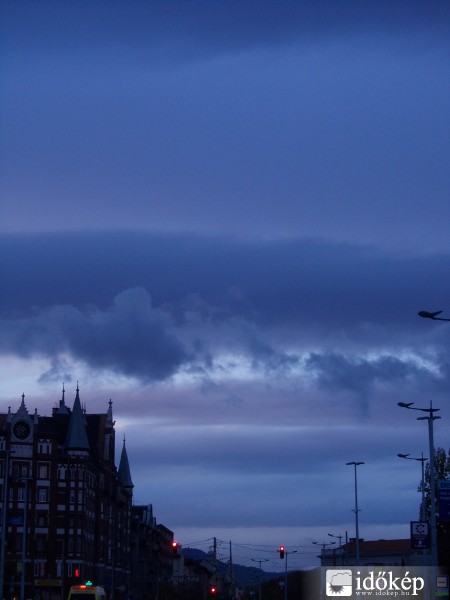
(442, 471)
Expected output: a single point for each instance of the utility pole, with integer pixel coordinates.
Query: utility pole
(231, 575)
(260, 561)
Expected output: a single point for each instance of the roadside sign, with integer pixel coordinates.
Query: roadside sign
(420, 535)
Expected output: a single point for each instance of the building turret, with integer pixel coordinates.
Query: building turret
(124, 469)
(22, 424)
(77, 439)
(62, 408)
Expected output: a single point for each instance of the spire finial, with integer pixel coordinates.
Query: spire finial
(62, 401)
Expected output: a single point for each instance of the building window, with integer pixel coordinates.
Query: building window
(44, 446)
(43, 471)
(42, 495)
(20, 470)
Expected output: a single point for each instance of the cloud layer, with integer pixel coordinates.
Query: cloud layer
(225, 216)
(173, 304)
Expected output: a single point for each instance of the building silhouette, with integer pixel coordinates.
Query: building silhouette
(59, 484)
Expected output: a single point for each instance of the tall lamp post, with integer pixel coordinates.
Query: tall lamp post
(422, 460)
(356, 510)
(431, 418)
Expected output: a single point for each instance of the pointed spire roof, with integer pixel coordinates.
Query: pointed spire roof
(76, 435)
(22, 411)
(62, 409)
(124, 468)
(109, 415)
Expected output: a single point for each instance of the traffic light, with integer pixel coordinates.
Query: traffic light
(212, 590)
(175, 547)
(77, 572)
(281, 551)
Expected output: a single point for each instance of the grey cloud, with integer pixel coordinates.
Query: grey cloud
(131, 337)
(319, 285)
(355, 374)
(148, 305)
(364, 377)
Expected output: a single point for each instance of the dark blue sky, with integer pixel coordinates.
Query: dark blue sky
(225, 217)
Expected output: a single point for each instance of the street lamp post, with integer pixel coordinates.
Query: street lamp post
(426, 314)
(422, 460)
(356, 511)
(338, 537)
(260, 561)
(323, 546)
(431, 418)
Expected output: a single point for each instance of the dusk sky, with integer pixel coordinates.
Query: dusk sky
(225, 216)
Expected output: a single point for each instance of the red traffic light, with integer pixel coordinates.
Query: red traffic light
(175, 548)
(212, 590)
(281, 551)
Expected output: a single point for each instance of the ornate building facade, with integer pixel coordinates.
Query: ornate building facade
(59, 485)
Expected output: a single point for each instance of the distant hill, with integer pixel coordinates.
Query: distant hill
(243, 575)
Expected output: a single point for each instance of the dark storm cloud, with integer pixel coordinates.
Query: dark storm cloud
(318, 284)
(149, 305)
(131, 337)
